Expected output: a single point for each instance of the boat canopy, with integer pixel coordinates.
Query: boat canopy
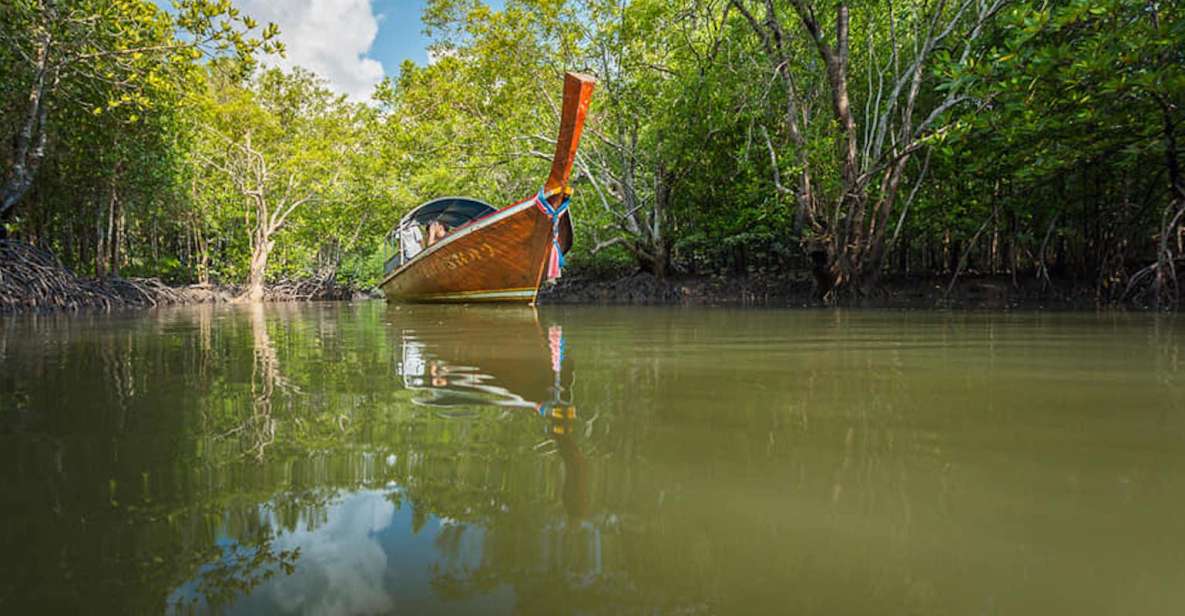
(450, 211)
(407, 239)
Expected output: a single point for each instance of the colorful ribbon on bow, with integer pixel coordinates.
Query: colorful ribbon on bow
(555, 263)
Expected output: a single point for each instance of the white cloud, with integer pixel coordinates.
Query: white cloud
(341, 565)
(328, 37)
(341, 570)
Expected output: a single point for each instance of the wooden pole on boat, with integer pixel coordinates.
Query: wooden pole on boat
(577, 93)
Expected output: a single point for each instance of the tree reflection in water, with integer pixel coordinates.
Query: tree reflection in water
(729, 461)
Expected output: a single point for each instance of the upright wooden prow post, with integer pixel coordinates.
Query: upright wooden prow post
(578, 90)
(577, 93)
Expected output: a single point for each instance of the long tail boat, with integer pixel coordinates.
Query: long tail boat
(492, 255)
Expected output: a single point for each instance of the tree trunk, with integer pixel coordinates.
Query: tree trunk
(954, 255)
(329, 258)
(258, 272)
(102, 233)
(114, 234)
(653, 259)
(662, 261)
(1166, 274)
(903, 254)
(29, 145)
(824, 269)
(202, 248)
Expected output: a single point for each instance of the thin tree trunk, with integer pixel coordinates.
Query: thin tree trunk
(1010, 247)
(662, 196)
(29, 146)
(203, 251)
(1166, 273)
(117, 235)
(114, 223)
(102, 220)
(258, 272)
(903, 254)
(966, 257)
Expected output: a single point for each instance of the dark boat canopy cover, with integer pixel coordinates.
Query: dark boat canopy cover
(451, 211)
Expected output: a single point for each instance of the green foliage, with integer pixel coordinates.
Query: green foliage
(96, 112)
(1057, 145)
(281, 153)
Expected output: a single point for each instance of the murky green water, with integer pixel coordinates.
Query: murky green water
(341, 459)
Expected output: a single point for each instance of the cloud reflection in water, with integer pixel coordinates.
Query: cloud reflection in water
(366, 557)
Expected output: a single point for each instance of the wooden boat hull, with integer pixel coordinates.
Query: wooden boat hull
(500, 258)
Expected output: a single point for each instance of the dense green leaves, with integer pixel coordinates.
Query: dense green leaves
(1020, 137)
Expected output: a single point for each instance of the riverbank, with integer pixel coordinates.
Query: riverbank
(997, 292)
(34, 280)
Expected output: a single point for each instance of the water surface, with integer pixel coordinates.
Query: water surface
(360, 458)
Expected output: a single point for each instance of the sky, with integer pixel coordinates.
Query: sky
(353, 44)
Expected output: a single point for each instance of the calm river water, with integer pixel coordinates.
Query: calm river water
(360, 458)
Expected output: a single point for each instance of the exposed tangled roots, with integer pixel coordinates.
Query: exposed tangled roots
(1156, 286)
(313, 289)
(34, 280)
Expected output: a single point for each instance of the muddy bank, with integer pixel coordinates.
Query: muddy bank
(34, 280)
(797, 290)
(643, 288)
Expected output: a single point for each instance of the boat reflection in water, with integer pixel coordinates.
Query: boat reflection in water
(464, 361)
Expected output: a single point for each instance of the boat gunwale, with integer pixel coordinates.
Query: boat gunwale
(473, 227)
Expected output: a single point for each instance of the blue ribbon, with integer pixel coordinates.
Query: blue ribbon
(541, 201)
